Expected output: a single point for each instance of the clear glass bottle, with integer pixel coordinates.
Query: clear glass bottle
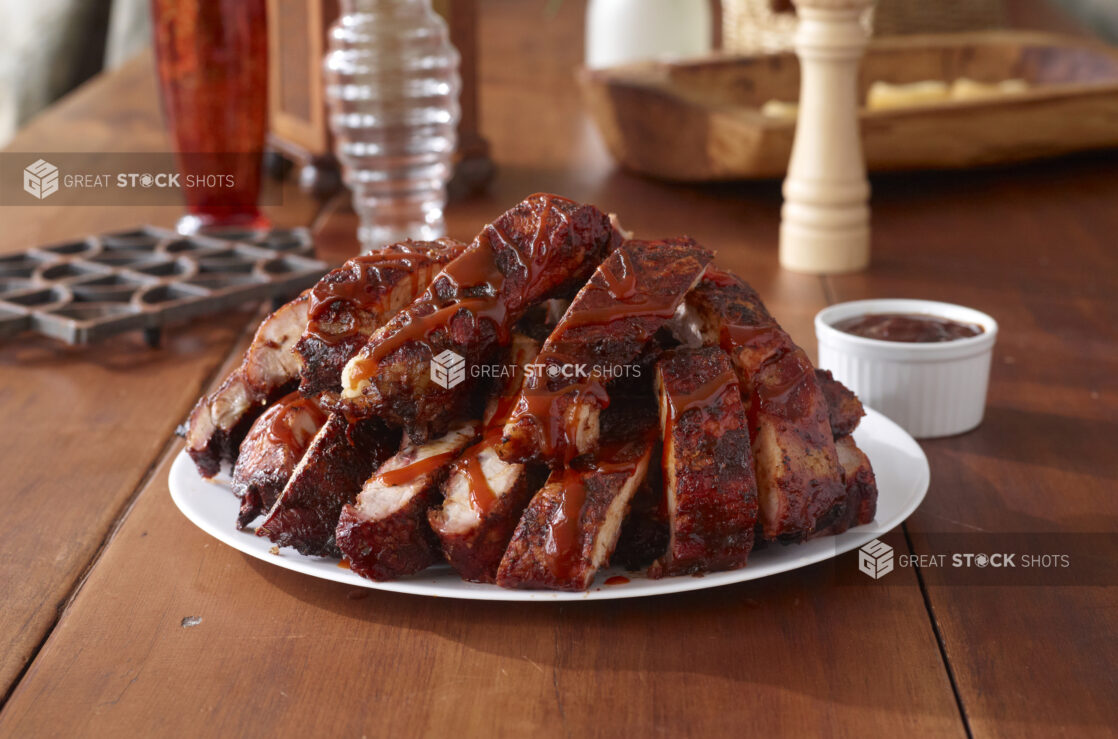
(392, 89)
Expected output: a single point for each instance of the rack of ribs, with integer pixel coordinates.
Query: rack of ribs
(617, 344)
(799, 479)
(484, 496)
(571, 526)
(535, 251)
(349, 303)
(634, 292)
(340, 458)
(268, 371)
(709, 487)
(384, 534)
(271, 450)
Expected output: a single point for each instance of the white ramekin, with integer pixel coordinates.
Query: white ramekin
(933, 389)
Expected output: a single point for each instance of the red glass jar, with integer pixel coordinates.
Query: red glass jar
(212, 57)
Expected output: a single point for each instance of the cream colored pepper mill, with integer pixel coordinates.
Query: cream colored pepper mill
(825, 221)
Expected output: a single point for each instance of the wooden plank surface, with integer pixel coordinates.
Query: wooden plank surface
(85, 425)
(822, 651)
(1035, 248)
(280, 654)
(800, 653)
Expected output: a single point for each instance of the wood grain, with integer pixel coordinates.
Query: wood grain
(277, 653)
(1033, 247)
(822, 651)
(432, 667)
(86, 424)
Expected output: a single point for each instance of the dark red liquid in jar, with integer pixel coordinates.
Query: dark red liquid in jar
(913, 328)
(212, 58)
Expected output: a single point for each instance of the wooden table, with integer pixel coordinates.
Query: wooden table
(99, 569)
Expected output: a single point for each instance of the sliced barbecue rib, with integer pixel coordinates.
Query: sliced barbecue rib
(541, 319)
(861, 487)
(861, 483)
(484, 499)
(709, 488)
(645, 531)
(846, 413)
(385, 535)
(484, 496)
(354, 300)
(340, 458)
(268, 371)
(533, 252)
(844, 409)
(630, 296)
(270, 452)
(572, 524)
(799, 480)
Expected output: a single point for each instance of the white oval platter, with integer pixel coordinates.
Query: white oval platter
(898, 462)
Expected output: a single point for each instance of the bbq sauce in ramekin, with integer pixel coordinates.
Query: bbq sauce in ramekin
(912, 328)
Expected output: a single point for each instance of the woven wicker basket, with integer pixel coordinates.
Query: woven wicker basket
(751, 26)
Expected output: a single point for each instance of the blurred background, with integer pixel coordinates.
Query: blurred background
(52, 46)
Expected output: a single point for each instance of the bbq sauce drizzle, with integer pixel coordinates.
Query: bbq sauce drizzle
(782, 385)
(563, 545)
(542, 406)
(421, 466)
(701, 400)
(619, 282)
(357, 290)
(475, 271)
(538, 253)
(704, 397)
(553, 424)
(473, 283)
(414, 470)
(284, 425)
(482, 496)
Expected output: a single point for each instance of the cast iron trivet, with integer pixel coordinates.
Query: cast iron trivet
(83, 291)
